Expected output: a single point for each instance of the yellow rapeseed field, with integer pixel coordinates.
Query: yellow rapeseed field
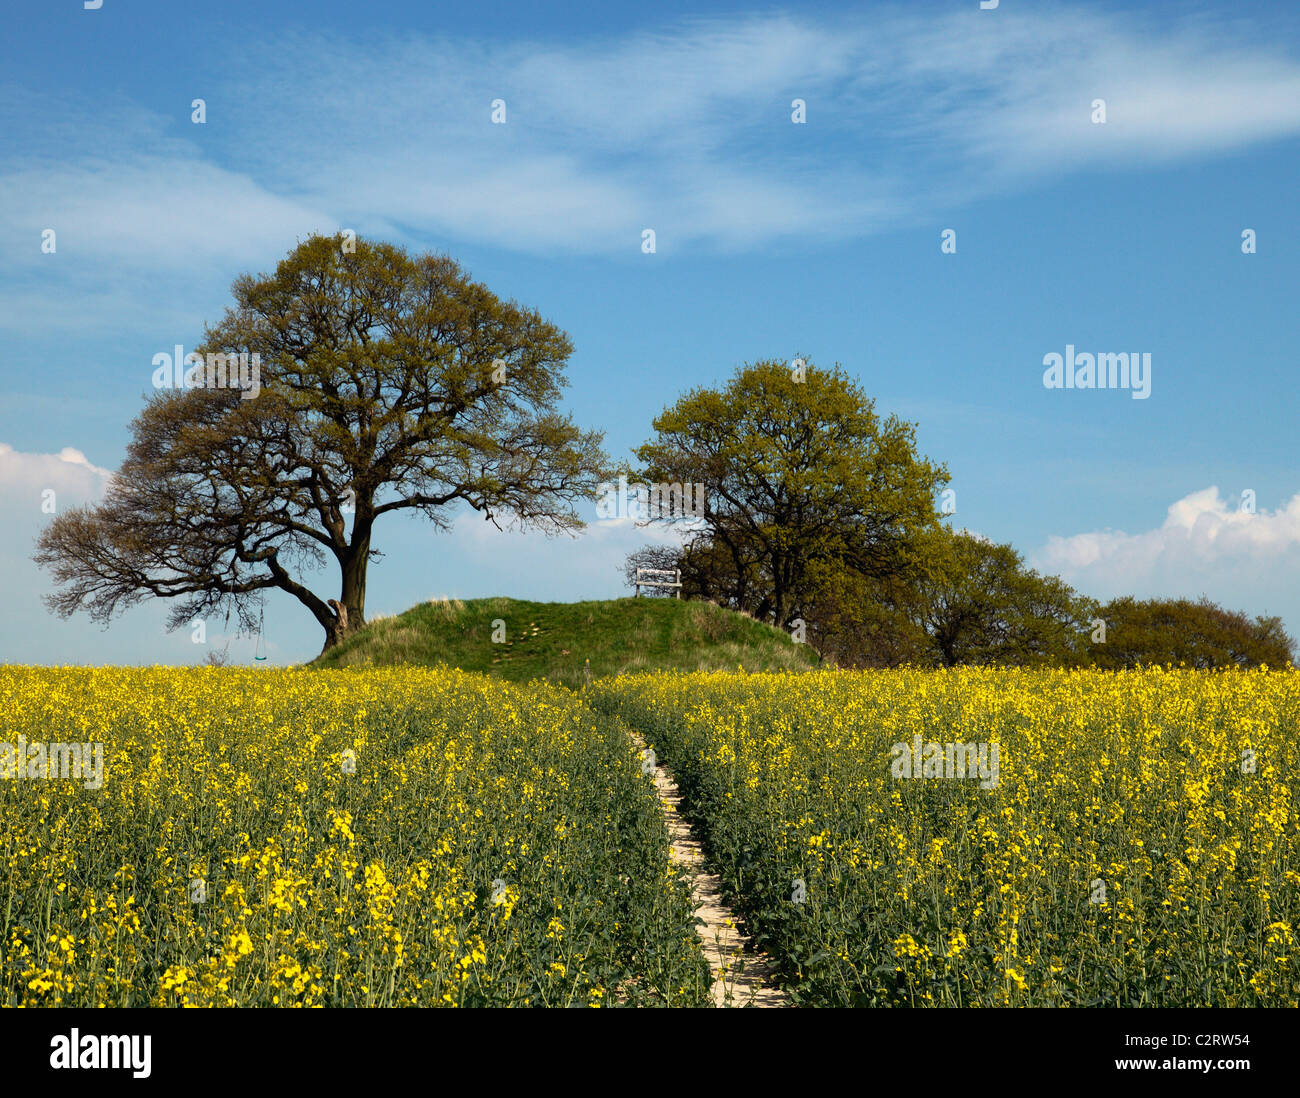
(432, 837)
(1137, 844)
(307, 838)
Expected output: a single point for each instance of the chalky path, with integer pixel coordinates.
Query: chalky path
(740, 978)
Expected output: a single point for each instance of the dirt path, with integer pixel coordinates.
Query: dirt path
(740, 979)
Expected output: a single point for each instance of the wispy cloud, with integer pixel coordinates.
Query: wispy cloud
(685, 129)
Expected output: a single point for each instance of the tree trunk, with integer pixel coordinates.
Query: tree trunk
(353, 593)
(337, 629)
(780, 608)
(350, 607)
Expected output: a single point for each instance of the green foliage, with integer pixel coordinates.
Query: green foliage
(797, 473)
(969, 602)
(1185, 633)
(985, 607)
(855, 621)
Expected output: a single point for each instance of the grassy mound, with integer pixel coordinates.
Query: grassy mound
(553, 640)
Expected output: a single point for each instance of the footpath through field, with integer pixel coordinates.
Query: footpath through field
(740, 978)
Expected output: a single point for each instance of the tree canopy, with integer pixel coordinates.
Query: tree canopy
(798, 471)
(388, 382)
(1196, 634)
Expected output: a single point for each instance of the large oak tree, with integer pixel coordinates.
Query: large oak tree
(388, 382)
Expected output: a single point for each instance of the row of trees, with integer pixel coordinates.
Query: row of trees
(388, 382)
(820, 513)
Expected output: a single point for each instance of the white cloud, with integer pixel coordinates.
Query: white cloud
(1203, 539)
(33, 635)
(24, 476)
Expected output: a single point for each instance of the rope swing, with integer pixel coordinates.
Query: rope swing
(259, 653)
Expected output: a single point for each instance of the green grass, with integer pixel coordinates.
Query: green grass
(552, 640)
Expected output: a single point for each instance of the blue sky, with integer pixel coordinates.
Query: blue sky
(774, 239)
